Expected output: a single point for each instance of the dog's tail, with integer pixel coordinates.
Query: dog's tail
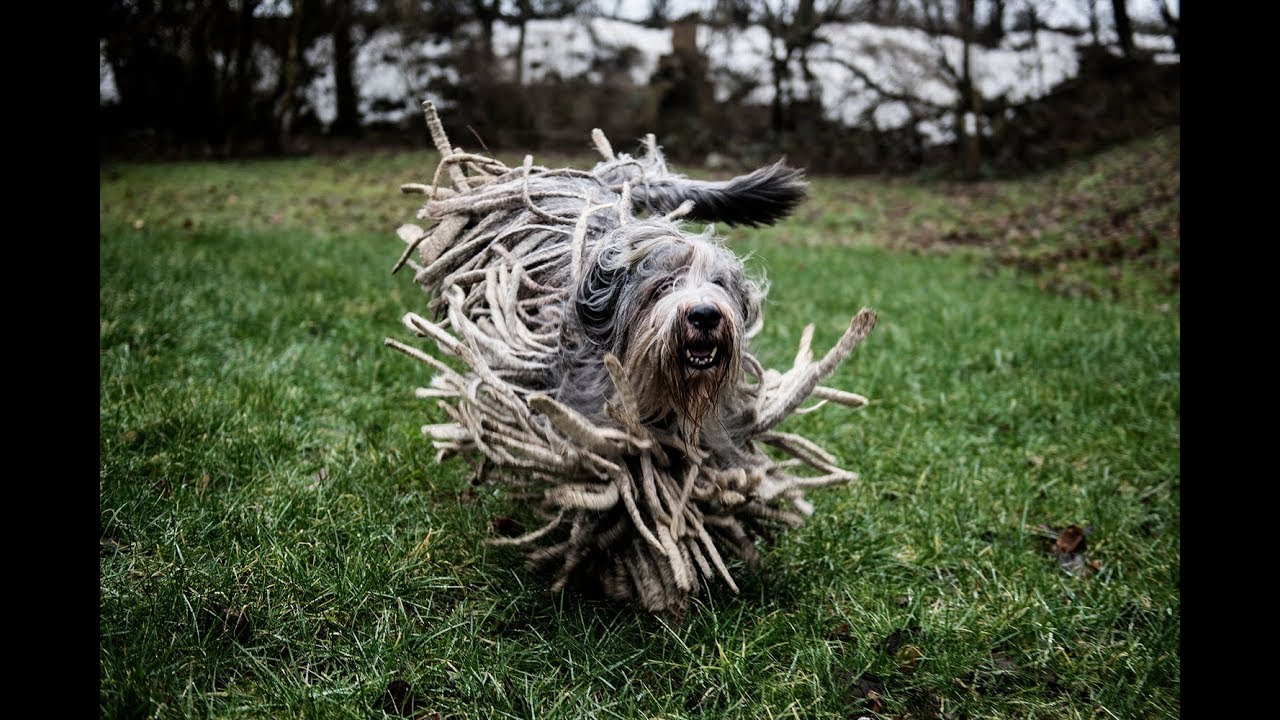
(761, 197)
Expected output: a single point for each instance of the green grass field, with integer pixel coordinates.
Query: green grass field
(277, 540)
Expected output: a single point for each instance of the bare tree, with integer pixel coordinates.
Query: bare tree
(1094, 29)
(183, 71)
(347, 121)
(527, 10)
(968, 107)
(239, 108)
(970, 100)
(451, 18)
(659, 14)
(284, 110)
(992, 31)
(1124, 28)
(1172, 22)
(793, 33)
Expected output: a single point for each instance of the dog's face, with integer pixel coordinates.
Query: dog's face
(676, 310)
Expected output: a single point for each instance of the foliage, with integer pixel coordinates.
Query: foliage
(844, 87)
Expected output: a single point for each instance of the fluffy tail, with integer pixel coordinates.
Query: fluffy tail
(761, 197)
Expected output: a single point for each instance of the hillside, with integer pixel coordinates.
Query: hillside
(1104, 226)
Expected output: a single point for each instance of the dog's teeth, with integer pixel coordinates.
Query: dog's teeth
(701, 361)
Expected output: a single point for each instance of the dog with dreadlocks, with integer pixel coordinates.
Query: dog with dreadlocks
(602, 367)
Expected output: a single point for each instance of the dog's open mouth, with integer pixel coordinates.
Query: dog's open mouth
(701, 354)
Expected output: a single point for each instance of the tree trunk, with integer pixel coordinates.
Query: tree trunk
(993, 32)
(812, 86)
(779, 110)
(802, 37)
(347, 122)
(520, 53)
(486, 14)
(284, 109)
(240, 110)
(969, 101)
(1172, 24)
(527, 13)
(1123, 27)
(486, 43)
(202, 108)
(1093, 22)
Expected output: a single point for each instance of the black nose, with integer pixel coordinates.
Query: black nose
(704, 317)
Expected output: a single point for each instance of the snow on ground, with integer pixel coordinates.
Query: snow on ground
(865, 73)
(107, 92)
(1058, 13)
(568, 47)
(391, 74)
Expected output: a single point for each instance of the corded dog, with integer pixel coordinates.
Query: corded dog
(606, 368)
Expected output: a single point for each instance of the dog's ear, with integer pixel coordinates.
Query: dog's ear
(597, 302)
(761, 197)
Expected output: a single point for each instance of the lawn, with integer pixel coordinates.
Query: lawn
(277, 540)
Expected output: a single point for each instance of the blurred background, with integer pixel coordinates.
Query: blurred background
(970, 88)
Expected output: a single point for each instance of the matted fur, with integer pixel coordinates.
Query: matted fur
(606, 371)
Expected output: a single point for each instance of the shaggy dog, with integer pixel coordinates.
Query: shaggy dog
(674, 307)
(607, 362)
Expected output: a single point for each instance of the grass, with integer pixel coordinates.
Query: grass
(277, 540)
(1105, 227)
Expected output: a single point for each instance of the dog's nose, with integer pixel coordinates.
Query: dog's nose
(704, 317)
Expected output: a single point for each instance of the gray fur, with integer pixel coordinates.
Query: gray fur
(633, 277)
(589, 378)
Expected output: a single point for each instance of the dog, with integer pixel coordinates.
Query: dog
(606, 347)
(676, 308)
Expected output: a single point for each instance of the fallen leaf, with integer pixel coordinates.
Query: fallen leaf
(1069, 546)
(1070, 540)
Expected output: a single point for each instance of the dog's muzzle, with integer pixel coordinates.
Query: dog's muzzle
(703, 338)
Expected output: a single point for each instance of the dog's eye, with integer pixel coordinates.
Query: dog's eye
(658, 290)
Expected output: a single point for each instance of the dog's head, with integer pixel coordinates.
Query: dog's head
(676, 310)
